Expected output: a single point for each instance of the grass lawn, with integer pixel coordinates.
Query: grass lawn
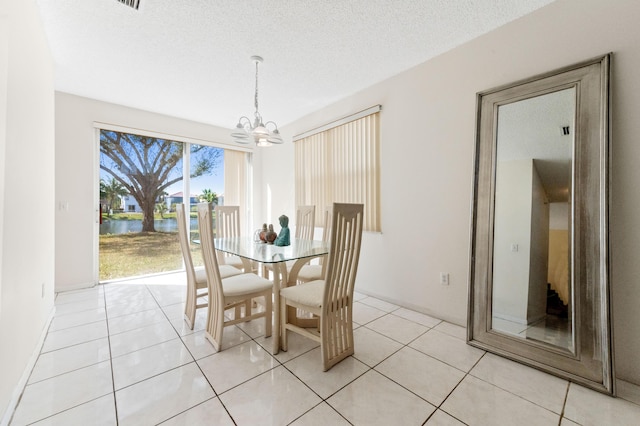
(131, 254)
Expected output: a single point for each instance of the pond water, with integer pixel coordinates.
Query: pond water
(124, 226)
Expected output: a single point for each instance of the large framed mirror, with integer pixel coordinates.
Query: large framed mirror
(539, 273)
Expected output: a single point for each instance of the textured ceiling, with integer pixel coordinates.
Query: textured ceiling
(190, 58)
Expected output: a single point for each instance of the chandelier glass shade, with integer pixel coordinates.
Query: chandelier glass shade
(247, 130)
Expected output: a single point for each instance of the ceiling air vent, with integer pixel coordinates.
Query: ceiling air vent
(131, 3)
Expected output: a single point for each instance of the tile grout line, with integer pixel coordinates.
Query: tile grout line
(216, 394)
(178, 337)
(406, 345)
(564, 403)
(467, 373)
(278, 362)
(195, 361)
(372, 368)
(71, 371)
(412, 392)
(113, 381)
(507, 390)
(17, 404)
(330, 395)
(439, 360)
(61, 374)
(316, 406)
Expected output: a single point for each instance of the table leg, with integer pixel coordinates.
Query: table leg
(246, 265)
(277, 272)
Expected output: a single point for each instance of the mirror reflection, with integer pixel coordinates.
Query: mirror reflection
(532, 284)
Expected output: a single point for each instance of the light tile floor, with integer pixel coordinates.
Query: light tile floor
(120, 354)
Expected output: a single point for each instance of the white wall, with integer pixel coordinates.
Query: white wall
(539, 254)
(513, 215)
(559, 215)
(427, 134)
(26, 194)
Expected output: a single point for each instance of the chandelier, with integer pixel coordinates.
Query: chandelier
(259, 132)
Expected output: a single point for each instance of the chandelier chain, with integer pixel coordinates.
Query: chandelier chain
(256, 93)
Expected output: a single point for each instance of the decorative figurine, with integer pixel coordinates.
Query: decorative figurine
(283, 237)
(271, 235)
(263, 233)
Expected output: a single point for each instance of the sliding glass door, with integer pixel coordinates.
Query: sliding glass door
(142, 178)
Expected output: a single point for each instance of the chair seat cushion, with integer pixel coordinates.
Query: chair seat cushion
(225, 272)
(309, 294)
(239, 285)
(310, 273)
(201, 276)
(234, 261)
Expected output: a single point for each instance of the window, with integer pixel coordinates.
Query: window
(340, 162)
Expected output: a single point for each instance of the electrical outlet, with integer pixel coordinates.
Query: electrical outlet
(444, 278)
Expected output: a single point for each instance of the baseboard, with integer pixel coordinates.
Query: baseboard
(77, 286)
(627, 390)
(414, 307)
(22, 383)
(509, 318)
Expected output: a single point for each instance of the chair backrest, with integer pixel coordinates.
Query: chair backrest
(344, 254)
(326, 233)
(227, 225)
(183, 237)
(305, 222)
(214, 282)
(227, 221)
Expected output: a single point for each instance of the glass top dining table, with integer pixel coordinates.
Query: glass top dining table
(248, 248)
(300, 251)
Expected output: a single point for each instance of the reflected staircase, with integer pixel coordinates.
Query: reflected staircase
(555, 306)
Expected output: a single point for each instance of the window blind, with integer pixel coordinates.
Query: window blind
(341, 164)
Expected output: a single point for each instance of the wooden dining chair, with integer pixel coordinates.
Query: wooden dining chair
(302, 273)
(196, 276)
(305, 222)
(228, 225)
(305, 228)
(330, 299)
(235, 291)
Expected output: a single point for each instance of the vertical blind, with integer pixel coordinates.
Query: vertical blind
(341, 164)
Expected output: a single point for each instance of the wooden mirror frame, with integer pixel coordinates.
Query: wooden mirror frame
(591, 362)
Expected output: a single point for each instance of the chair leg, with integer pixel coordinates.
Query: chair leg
(268, 305)
(190, 307)
(284, 344)
(250, 303)
(215, 326)
(336, 340)
(189, 317)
